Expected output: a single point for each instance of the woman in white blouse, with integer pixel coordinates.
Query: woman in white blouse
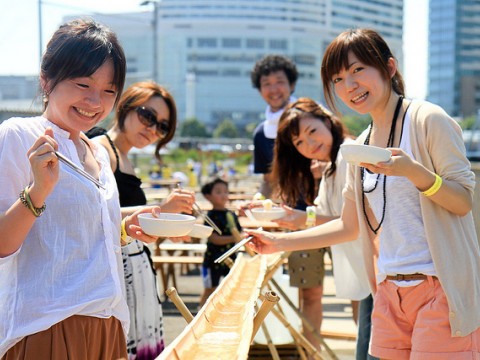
(61, 284)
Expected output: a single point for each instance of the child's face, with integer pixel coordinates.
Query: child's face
(219, 195)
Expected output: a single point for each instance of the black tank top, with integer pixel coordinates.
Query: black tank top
(129, 186)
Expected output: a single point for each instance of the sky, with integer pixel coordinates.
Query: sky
(19, 34)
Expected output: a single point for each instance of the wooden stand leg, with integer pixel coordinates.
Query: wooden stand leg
(270, 299)
(307, 324)
(173, 296)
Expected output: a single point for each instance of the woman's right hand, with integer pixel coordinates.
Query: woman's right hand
(263, 242)
(293, 220)
(179, 201)
(44, 165)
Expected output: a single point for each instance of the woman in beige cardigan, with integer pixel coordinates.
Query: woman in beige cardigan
(426, 274)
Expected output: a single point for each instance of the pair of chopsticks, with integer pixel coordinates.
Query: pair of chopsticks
(77, 169)
(233, 249)
(198, 211)
(205, 217)
(236, 247)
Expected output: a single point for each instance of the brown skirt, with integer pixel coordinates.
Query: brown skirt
(75, 338)
(307, 268)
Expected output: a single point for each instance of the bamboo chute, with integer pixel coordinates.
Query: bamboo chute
(224, 326)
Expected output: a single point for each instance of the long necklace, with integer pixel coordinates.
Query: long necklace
(391, 138)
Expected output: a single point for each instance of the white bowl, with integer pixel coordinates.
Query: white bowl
(200, 231)
(357, 153)
(267, 215)
(166, 225)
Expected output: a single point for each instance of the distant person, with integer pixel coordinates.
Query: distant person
(61, 278)
(412, 213)
(274, 76)
(146, 114)
(216, 192)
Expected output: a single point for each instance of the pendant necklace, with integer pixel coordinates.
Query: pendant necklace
(391, 138)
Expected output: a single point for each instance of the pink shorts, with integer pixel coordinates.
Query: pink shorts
(412, 323)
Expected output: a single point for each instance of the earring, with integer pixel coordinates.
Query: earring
(45, 98)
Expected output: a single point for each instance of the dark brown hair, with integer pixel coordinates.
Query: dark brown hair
(78, 49)
(138, 94)
(369, 47)
(290, 168)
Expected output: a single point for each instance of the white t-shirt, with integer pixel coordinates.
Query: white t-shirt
(403, 242)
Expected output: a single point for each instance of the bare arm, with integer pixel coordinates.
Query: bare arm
(451, 195)
(333, 232)
(17, 221)
(221, 239)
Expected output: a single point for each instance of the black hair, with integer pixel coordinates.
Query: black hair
(79, 48)
(208, 187)
(273, 63)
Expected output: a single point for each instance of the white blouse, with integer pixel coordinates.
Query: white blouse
(70, 263)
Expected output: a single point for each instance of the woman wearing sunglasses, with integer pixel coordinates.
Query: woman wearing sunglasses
(146, 114)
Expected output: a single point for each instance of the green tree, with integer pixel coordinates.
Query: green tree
(468, 123)
(356, 123)
(193, 128)
(226, 129)
(249, 129)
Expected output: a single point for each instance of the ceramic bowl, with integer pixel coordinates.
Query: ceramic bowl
(166, 225)
(357, 153)
(267, 215)
(200, 231)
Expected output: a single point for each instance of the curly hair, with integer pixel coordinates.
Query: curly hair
(290, 168)
(273, 63)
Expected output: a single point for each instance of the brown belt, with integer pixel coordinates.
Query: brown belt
(408, 277)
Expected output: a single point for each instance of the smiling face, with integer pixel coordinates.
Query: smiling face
(314, 140)
(361, 87)
(77, 104)
(140, 135)
(276, 89)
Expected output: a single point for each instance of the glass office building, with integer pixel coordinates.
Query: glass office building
(454, 56)
(205, 49)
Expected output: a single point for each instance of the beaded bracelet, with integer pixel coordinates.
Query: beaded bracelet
(25, 199)
(435, 187)
(124, 238)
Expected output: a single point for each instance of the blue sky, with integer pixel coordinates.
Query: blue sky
(19, 34)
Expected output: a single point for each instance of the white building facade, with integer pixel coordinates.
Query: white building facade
(205, 49)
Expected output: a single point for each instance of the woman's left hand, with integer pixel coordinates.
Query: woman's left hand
(133, 228)
(400, 164)
(293, 220)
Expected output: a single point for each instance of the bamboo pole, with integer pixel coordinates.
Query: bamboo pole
(299, 338)
(269, 300)
(178, 302)
(306, 323)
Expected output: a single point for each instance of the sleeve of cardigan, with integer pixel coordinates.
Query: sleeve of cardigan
(438, 144)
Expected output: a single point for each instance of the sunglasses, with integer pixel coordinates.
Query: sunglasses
(148, 118)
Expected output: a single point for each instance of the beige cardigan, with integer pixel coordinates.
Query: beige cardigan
(437, 143)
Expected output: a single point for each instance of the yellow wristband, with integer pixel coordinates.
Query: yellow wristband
(435, 187)
(124, 238)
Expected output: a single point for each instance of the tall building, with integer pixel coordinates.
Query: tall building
(454, 56)
(205, 50)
